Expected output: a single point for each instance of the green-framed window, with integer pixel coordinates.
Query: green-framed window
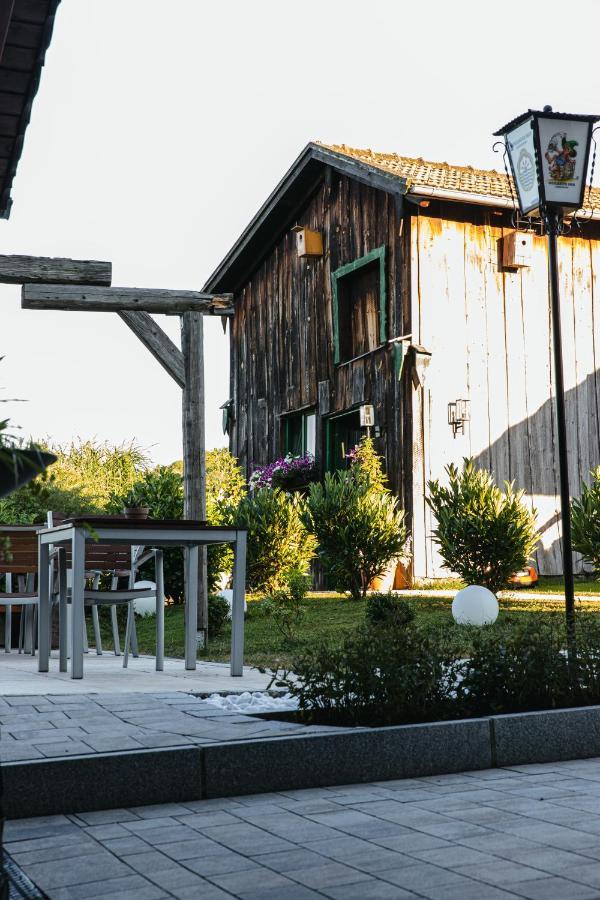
(299, 433)
(359, 306)
(342, 434)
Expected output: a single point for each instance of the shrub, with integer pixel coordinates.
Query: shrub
(218, 613)
(524, 666)
(376, 676)
(585, 521)
(278, 541)
(366, 464)
(386, 609)
(225, 487)
(359, 529)
(398, 670)
(485, 535)
(161, 490)
(80, 482)
(285, 606)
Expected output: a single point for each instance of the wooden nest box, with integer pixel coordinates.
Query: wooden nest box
(517, 247)
(308, 243)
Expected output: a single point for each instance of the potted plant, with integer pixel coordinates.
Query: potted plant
(133, 505)
(290, 473)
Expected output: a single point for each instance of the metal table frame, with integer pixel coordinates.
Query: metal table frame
(186, 535)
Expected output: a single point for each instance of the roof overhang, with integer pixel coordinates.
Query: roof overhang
(282, 207)
(25, 34)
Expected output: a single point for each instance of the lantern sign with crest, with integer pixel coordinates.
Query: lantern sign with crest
(548, 154)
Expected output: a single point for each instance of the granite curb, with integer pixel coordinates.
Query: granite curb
(135, 778)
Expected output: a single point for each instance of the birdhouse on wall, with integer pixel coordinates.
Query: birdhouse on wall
(517, 248)
(308, 243)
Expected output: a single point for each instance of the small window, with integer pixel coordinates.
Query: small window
(342, 434)
(359, 306)
(300, 433)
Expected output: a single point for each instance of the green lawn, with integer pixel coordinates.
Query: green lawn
(546, 584)
(326, 617)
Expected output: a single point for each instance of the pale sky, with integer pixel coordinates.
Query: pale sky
(161, 127)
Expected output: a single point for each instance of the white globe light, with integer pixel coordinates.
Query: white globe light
(475, 605)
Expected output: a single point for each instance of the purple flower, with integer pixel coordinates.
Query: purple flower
(283, 472)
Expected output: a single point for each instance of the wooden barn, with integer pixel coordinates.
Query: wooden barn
(369, 279)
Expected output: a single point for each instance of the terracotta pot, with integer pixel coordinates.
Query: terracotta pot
(137, 512)
(395, 578)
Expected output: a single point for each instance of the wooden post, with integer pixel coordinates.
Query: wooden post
(194, 468)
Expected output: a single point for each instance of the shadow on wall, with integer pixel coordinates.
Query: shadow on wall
(527, 453)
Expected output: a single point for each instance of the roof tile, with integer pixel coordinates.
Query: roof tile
(420, 172)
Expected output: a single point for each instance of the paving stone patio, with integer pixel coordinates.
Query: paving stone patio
(58, 725)
(19, 675)
(530, 831)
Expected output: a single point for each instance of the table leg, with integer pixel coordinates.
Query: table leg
(237, 605)
(44, 615)
(77, 601)
(191, 608)
(160, 611)
(63, 630)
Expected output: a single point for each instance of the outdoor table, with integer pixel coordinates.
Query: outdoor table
(191, 535)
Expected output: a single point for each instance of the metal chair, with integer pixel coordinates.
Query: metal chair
(19, 570)
(116, 562)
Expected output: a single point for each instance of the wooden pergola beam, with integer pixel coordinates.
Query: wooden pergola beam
(119, 299)
(53, 270)
(158, 343)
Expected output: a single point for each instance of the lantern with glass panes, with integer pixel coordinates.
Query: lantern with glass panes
(549, 154)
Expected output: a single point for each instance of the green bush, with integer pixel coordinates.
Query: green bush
(225, 487)
(161, 490)
(286, 605)
(397, 670)
(484, 534)
(376, 676)
(218, 614)
(359, 529)
(585, 521)
(366, 465)
(524, 666)
(278, 541)
(386, 609)
(80, 482)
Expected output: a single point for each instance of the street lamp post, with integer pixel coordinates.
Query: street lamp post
(549, 154)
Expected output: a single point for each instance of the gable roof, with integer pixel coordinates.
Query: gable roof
(440, 178)
(387, 171)
(25, 34)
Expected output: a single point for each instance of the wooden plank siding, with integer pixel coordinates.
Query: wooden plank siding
(489, 332)
(282, 331)
(488, 329)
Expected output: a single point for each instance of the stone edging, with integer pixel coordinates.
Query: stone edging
(105, 781)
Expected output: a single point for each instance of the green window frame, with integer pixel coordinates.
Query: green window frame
(306, 433)
(377, 255)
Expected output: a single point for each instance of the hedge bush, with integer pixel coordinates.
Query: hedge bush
(585, 522)
(359, 529)
(484, 534)
(278, 540)
(397, 670)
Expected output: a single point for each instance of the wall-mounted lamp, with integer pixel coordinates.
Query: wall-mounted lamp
(458, 414)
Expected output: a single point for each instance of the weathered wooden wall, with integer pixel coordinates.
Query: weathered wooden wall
(282, 331)
(489, 333)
